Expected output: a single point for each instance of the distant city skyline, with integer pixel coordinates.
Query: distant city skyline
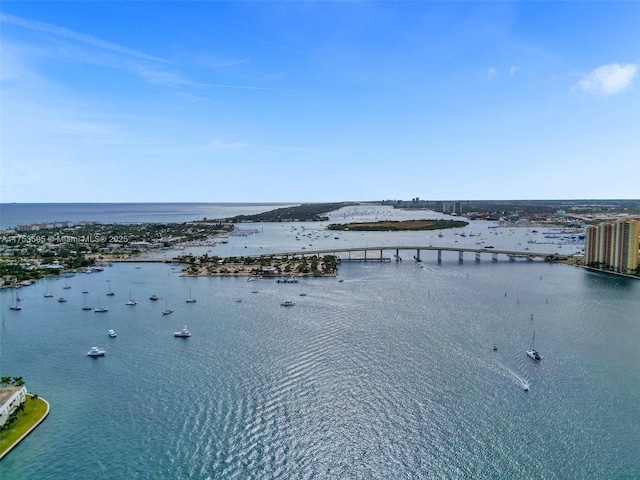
(318, 101)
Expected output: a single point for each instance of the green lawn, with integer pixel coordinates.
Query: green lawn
(32, 413)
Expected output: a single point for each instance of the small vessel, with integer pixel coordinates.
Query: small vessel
(101, 310)
(131, 301)
(154, 297)
(166, 311)
(62, 299)
(287, 303)
(525, 386)
(182, 333)
(533, 352)
(495, 348)
(190, 299)
(48, 295)
(14, 305)
(112, 333)
(96, 352)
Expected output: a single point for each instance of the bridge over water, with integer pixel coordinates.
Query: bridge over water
(376, 254)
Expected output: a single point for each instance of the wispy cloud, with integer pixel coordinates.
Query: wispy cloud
(79, 37)
(513, 70)
(492, 72)
(150, 68)
(607, 79)
(218, 144)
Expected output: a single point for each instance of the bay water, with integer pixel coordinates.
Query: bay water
(385, 371)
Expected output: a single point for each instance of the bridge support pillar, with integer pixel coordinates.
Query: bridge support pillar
(439, 256)
(494, 257)
(418, 255)
(460, 256)
(381, 255)
(477, 257)
(397, 254)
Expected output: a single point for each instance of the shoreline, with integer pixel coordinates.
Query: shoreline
(31, 429)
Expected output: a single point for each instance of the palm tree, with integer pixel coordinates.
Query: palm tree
(5, 381)
(18, 381)
(34, 397)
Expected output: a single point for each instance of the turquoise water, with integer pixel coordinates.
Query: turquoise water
(388, 374)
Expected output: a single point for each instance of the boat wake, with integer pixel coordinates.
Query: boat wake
(524, 384)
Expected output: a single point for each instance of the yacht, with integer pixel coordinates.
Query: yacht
(101, 310)
(287, 303)
(87, 307)
(96, 352)
(15, 307)
(182, 333)
(112, 333)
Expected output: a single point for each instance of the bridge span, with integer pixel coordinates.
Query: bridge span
(379, 253)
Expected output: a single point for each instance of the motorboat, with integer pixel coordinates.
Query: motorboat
(154, 297)
(15, 307)
(287, 303)
(96, 352)
(48, 295)
(101, 310)
(112, 333)
(62, 299)
(182, 333)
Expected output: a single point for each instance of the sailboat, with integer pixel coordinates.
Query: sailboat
(85, 306)
(190, 299)
(533, 353)
(48, 294)
(14, 305)
(131, 301)
(166, 310)
(109, 292)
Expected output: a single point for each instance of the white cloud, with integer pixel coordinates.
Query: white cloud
(607, 79)
(492, 72)
(222, 145)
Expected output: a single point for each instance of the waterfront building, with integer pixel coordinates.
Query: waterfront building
(613, 246)
(10, 399)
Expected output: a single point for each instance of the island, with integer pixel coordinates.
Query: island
(395, 225)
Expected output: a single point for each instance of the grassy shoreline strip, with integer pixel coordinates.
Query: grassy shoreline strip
(24, 425)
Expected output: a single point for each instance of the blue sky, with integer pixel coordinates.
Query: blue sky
(318, 101)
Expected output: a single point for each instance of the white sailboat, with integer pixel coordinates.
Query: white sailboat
(190, 299)
(533, 353)
(131, 301)
(167, 310)
(14, 304)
